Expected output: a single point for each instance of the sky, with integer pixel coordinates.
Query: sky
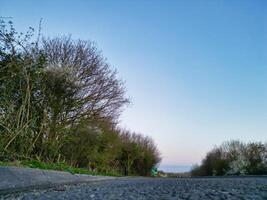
(195, 71)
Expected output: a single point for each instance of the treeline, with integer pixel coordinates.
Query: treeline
(60, 102)
(234, 158)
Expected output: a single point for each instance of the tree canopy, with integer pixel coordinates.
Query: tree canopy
(234, 158)
(60, 101)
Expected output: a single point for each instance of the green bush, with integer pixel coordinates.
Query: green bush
(234, 158)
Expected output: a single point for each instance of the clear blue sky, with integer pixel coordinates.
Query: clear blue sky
(196, 71)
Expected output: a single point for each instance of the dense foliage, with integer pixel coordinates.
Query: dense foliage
(234, 158)
(60, 101)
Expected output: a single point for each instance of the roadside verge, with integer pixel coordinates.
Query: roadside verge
(17, 179)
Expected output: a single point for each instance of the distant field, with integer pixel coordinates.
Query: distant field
(175, 168)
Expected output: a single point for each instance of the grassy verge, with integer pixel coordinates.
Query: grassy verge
(55, 166)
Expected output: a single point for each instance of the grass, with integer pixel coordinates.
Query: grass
(55, 166)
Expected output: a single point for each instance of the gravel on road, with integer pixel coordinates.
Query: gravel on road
(156, 188)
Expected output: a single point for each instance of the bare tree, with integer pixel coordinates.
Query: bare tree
(83, 84)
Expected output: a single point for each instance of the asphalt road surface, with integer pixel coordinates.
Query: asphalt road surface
(156, 188)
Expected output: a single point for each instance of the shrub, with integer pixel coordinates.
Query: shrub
(234, 158)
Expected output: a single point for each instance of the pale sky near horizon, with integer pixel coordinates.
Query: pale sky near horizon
(196, 71)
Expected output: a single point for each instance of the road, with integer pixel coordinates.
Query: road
(156, 188)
